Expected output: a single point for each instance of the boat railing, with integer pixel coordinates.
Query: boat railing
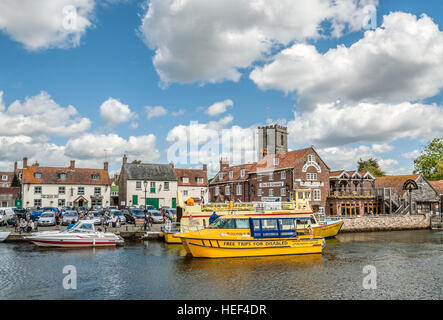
(171, 227)
(256, 206)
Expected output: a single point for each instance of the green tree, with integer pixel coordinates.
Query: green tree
(370, 165)
(137, 162)
(430, 162)
(15, 181)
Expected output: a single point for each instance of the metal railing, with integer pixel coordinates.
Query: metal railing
(352, 192)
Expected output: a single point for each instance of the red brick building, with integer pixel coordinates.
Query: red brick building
(438, 186)
(273, 179)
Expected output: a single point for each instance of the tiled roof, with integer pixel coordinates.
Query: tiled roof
(336, 174)
(150, 171)
(236, 173)
(285, 160)
(10, 176)
(50, 175)
(395, 182)
(438, 186)
(192, 175)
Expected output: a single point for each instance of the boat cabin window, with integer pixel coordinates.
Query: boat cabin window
(230, 224)
(273, 227)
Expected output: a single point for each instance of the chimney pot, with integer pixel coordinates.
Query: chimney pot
(25, 163)
(125, 159)
(15, 166)
(72, 166)
(105, 166)
(205, 167)
(172, 164)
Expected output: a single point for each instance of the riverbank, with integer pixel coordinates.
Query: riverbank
(379, 223)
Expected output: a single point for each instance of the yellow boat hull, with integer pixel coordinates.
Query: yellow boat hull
(327, 231)
(231, 248)
(169, 238)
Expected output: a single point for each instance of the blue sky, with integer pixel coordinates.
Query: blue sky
(112, 60)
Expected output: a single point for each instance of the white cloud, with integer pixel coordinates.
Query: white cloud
(2, 105)
(112, 147)
(178, 113)
(46, 24)
(41, 115)
(211, 41)
(114, 112)
(219, 107)
(400, 61)
(334, 124)
(411, 155)
(156, 111)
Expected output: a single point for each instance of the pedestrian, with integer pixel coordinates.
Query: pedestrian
(213, 217)
(23, 226)
(29, 226)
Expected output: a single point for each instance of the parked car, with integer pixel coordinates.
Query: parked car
(22, 213)
(156, 216)
(35, 215)
(8, 212)
(113, 208)
(3, 217)
(119, 215)
(97, 218)
(170, 213)
(55, 210)
(47, 219)
(68, 216)
(132, 214)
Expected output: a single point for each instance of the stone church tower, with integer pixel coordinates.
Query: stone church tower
(272, 139)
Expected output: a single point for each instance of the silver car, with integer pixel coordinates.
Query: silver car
(47, 219)
(156, 216)
(118, 215)
(68, 217)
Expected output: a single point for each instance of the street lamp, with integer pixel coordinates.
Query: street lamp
(145, 183)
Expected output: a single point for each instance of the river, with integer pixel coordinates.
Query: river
(408, 265)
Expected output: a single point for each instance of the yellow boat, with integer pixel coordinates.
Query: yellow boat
(196, 217)
(246, 236)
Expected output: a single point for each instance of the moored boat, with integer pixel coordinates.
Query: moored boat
(82, 234)
(246, 236)
(4, 235)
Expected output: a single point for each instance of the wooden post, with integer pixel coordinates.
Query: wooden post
(390, 201)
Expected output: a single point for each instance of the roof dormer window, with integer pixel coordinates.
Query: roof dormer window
(37, 175)
(95, 177)
(62, 176)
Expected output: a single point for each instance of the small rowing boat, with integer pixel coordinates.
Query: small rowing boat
(4, 235)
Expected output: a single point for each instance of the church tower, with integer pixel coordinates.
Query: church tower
(272, 139)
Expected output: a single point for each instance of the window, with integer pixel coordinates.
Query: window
(271, 192)
(5, 178)
(217, 191)
(138, 185)
(37, 189)
(311, 176)
(61, 190)
(259, 192)
(220, 176)
(62, 176)
(81, 191)
(37, 175)
(97, 191)
(271, 176)
(283, 192)
(239, 189)
(61, 202)
(317, 195)
(283, 175)
(231, 174)
(227, 190)
(242, 173)
(307, 195)
(185, 192)
(37, 203)
(152, 190)
(275, 161)
(185, 179)
(200, 180)
(311, 158)
(95, 177)
(166, 186)
(282, 140)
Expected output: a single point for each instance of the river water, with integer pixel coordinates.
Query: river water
(408, 265)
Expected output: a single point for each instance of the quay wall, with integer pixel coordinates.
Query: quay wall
(386, 223)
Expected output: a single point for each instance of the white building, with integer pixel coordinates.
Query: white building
(65, 186)
(193, 183)
(147, 184)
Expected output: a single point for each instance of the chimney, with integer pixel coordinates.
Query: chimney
(205, 167)
(72, 166)
(105, 166)
(125, 159)
(172, 164)
(25, 163)
(15, 166)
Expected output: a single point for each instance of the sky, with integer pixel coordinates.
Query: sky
(189, 81)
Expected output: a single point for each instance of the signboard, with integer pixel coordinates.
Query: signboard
(271, 184)
(269, 205)
(123, 203)
(311, 184)
(49, 196)
(18, 203)
(271, 199)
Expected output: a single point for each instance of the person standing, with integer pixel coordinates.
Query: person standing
(213, 217)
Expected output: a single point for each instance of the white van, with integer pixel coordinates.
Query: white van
(5, 214)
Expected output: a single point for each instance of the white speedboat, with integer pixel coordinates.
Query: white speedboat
(82, 234)
(3, 236)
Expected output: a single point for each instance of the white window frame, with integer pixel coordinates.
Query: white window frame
(220, 176)
(138, 185)
(259, 192)
(97, 193)
(283, 175)
(166, 186)
(231, 174)
(239, 190)
(217, 190)
(271, 176)
(81, 193)
(185, 192)
(283, 192)
(185, 179)
(242, 173)
(39, 188)
(61, 190)
(317, 195)
(200, 180)
(35, 202)
(5, 178)
(271, 192)
(311, 176)
(227, 190)
(276, 161)
(311, 158)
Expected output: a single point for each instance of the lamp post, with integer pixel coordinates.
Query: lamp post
(145, 183)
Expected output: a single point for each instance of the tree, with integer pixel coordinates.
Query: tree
(430, 162)
(15, 181)
(370, 165)
(137, 162)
